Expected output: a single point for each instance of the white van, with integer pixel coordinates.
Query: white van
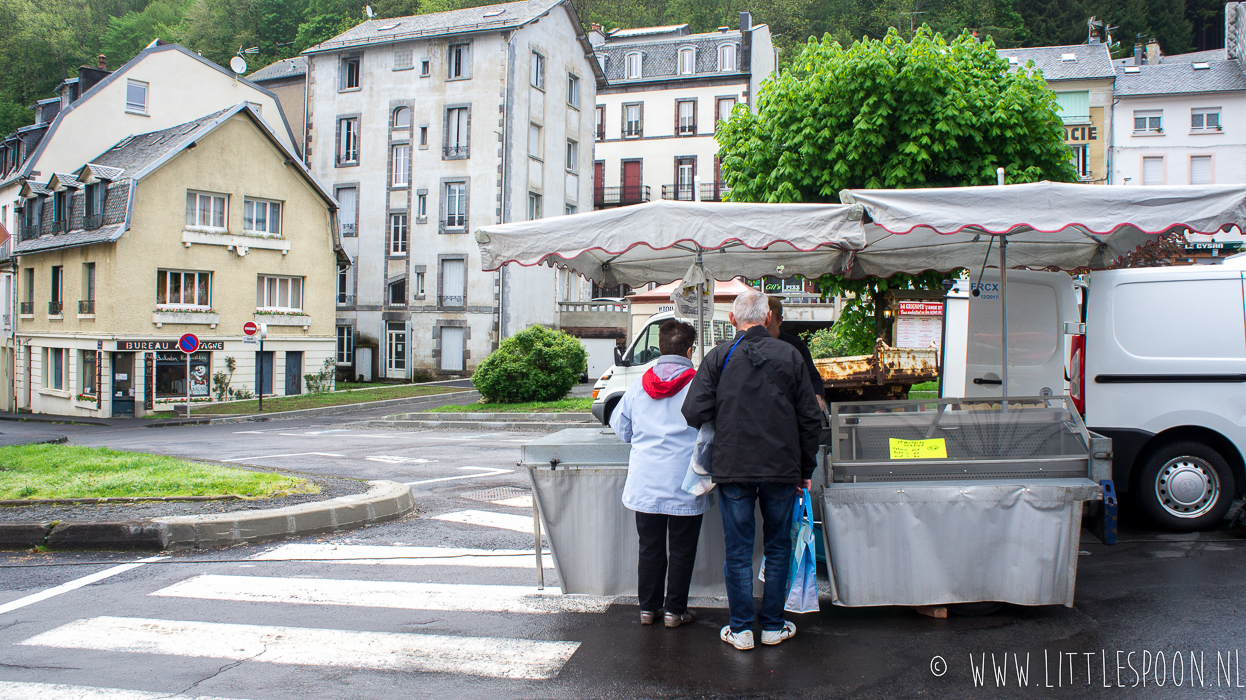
(643, 353)
(1161, 370)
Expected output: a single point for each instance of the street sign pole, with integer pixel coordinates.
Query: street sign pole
(188, 344)
(259, 390)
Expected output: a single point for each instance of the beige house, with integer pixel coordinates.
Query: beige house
(198, 228)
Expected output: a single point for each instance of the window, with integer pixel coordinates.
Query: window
(345, 345)
(60, 208)
(86, 305)
(176, 288)
(425, 68)
(534, 206)
(686, 117)
(136, 96)
(685, 172)
(417, 289)
(726, 57)
(455, 207)
(343, 283)
(28, 291)
(421, 206)
(402, 165)
(1200, 170)
(397, 293)
(459, 62)
(1153, 170)
(171, 374)
(1148, 121)
(279, 293)
(573, 90)
(86, 372)
(402, 118)
(687, 61)
(348, 74)
(423, 137)
(538, 71)
(534, 141)
(1074, 106)
(205, 210)
(347, 198)
(348, 141)
(1205, 119)
(1081, 159)
(398, 234)
(93, 204)
(54, 369)
(453, 282)
(403, 59)
(456, 133)
(571, 209)
(259, 216)
(573, 156)
(632, 124)
(601, 123)
(724, 107)
(631, 64)
(396, 347)
(56, 301)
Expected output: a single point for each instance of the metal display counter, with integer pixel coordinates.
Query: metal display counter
(956, 501)
(577, 487)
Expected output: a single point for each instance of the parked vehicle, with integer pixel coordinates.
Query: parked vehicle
(886, 373)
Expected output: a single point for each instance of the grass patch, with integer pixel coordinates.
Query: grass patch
(925, 386)
(336, 398)
(570, 405)
(69, 471)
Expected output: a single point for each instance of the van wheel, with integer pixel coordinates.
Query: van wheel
(609, 411)
(1185, 486)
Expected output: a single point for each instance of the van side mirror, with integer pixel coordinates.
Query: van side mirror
(618, 357)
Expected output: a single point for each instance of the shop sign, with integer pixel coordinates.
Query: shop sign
(1081, 133)
(920, 308)
(157, 345)
(149, 380)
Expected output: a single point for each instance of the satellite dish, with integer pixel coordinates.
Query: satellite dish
(368, 9)
(238, 65)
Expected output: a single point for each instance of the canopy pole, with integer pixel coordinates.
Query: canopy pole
(700, 311)
(1003, 300)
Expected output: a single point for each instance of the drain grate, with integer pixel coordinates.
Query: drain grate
(495, 494)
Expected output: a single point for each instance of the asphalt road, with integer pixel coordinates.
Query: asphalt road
(399, 619)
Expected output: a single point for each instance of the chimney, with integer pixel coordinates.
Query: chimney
(103, 66)
(1234, 27)
(1153, 53)
(596, 35)
(1137, 54)
(746, 22)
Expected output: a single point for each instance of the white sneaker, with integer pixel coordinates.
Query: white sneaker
(740, 640)
(776, 636)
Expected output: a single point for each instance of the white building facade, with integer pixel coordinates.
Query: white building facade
(429, 127)
(667, 91)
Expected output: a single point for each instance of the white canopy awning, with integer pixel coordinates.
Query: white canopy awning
(656, 242)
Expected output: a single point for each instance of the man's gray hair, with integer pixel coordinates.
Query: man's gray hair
(750, 307)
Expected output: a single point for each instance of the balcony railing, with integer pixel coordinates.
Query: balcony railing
(714, 191)
(456, 220)
(632, 130)
(345, 299)
(6, 320)
(682, 192)
(452, 300)
(26, 307)
(348, 230)
(55, 308)
(620, 196)
(454, 151)
(92, 221)
(30, 232)
(61, 226)
(86, 306)
(686, 129)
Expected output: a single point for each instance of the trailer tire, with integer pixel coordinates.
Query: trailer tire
(1184, 486)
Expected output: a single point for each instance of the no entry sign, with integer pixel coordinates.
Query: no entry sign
(188, 343)
(250, 328)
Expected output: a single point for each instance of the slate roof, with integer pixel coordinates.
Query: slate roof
(1180, 79)
(73, 239)
(103, 172)
(285, 68)
(1093, 61)
(681, 29)
(137, 152)
(660, 58)
(472, 19)
(116, 204)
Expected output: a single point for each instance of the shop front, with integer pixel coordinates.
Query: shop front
(168, 375)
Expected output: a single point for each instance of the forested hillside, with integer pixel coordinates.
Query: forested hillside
(43, 41)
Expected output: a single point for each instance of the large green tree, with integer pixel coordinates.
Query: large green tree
(891, 113)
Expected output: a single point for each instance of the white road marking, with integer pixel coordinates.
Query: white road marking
(303, 646)
(516, 502)
(79, 583)
(489, 471)
(292, 454)
(392, 459)
(13, 690)
(401, 595)
(505, 521)
(370, 555)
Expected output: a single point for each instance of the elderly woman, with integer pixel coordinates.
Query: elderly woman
(649, 417)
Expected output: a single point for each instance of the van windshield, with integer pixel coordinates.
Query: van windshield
(646, 348)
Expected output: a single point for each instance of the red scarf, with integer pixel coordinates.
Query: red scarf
(659, 389)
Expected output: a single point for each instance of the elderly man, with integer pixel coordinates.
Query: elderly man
(757, 391)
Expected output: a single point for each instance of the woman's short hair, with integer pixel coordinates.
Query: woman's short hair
(750, 307)
(676, 338)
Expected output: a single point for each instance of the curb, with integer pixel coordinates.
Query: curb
(540, 426)
(568, 417)
(384, 501)
(330, 410)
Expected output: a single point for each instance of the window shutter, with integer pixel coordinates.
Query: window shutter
(1200, 170)
(1152, 171)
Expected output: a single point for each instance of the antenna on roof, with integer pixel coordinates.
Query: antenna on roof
(1091, 25)
(368, 9)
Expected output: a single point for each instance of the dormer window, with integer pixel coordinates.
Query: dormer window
(726, 57)
(687, 61)
(632, 64)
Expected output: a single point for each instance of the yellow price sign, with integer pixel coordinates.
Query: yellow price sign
(934, 448)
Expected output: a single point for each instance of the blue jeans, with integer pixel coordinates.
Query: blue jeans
(737, 505)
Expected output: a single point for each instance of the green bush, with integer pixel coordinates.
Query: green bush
(535, 364)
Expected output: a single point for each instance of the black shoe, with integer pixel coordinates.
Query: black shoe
(647, 617)
(672, 620)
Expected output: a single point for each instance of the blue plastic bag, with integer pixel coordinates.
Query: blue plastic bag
(802, 572)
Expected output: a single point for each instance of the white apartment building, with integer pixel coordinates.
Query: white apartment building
(426, 128)
(667, 90)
